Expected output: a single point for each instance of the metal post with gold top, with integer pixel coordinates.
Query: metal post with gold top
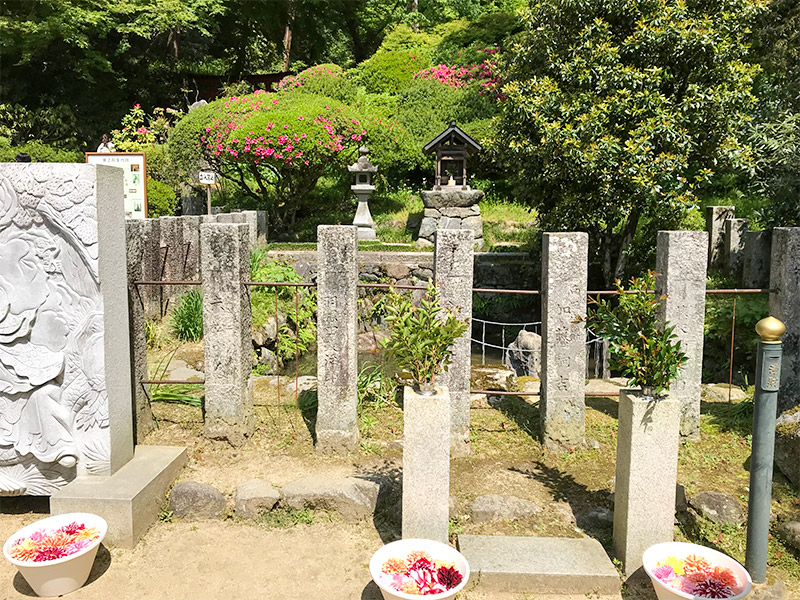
(768, 377)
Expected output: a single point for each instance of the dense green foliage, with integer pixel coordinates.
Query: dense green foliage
(616, 112)
(421, 340)
(187, 318)
(161, 199)
(640, 347)
(298, 334)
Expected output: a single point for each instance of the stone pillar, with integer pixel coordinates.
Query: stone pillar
(191, 240)
(171, 231)
(681, 277)
(426, 465)
(452, 271)
(152, 269)
(225, 254)
(647, 471)
(337, 341)
(715, 226)
(784, 304)
(138, 233)
(251, 218)
(263, 226)
(755, 270)
(565, 258)
(735, 230)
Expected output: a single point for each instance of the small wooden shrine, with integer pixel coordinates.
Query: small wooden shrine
(452, 147)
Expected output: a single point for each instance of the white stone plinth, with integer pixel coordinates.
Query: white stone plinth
(426, 465)
(647, 470)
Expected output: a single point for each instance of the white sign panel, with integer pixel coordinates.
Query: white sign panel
(134, 178)
(207, 177)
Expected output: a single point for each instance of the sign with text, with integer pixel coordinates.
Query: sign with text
(134, 178)
(207, 177)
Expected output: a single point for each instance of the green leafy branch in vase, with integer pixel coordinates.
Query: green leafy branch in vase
(421, 336)
(641, 348)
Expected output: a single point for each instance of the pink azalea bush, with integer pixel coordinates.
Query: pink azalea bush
(328, 70)
(483, 73)
(276, 146)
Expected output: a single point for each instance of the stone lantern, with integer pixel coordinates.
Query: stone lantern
(363, 171)
(452, 203)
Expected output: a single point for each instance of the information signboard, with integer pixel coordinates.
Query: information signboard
(134, 178)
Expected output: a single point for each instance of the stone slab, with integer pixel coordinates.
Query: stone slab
(426, 465)
(131, 499)
(681, 277)
(646, 475)
(528, 565)
(565, 257)
(450, 198)
(757, 249)
(453, 267)
(784, 304)
(715, 226)
(735, 230)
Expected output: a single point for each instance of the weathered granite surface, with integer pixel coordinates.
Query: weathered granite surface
(681, 277)
(65, 365)
(784, 304)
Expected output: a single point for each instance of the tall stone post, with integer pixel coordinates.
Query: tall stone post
(562, 407)
(190, 227)
(452, 271)
(171, 231)
(225, 254)
(138, 233)
(735, 230)
(784, 304)
(715, 226)
(681, 277)
(152, 268)
(251, 218)
(426, 465)
(263, 226)
(647, 471)
(757, 248)
(337, 341)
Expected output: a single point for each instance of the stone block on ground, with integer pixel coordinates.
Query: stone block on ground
(185, 374)
(255, 497)
(720, 392)
(194, 500)
(787, 445)
(496, 507)
(493, 378)
(790, 533)
(718, 507)
(130, 500)
(353, 498)
(594, 517)
(526, 565)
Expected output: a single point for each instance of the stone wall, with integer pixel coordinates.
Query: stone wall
(450, 209)
(505, 270)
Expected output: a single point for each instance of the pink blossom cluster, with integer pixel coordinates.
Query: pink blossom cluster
(295, 81)
(286, 145)
(484, 73)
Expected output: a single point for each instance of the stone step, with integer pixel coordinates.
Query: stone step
(535, 565)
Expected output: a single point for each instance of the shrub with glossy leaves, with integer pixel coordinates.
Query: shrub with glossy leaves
(617, 111)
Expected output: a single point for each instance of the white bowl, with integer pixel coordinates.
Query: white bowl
(680, 550)
(401, 548)
(63, 575)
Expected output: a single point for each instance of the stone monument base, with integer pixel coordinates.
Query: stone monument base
(451, 209)
(131, 499)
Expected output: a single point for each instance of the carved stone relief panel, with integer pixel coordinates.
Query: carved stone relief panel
(54, 418)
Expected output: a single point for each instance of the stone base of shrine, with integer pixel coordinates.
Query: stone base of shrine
(131, 499)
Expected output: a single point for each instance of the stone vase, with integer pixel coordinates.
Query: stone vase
(426, 464)
(647, 470)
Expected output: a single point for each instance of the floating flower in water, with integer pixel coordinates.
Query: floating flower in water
(43, 545)
(419, 574)
(695, 575)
